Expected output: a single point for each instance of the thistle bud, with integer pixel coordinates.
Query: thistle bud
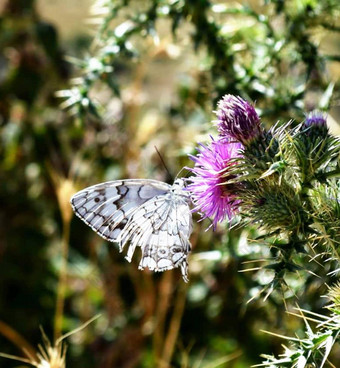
(314, 128)
(312, 144)
(237, 119)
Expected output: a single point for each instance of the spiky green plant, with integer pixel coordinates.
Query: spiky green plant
(286, 182)
(314, 348)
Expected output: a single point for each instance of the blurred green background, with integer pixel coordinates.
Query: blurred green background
(153, 81)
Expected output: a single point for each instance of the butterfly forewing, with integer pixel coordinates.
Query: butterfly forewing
(107, 207)
(146, 213)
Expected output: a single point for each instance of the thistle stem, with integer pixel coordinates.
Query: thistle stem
(175, 323)
(164, 297)
(58, 319)
(18, 340)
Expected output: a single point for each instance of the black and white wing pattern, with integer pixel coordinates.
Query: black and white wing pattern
(144, 213)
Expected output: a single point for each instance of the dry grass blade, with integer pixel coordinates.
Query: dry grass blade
(48, 355)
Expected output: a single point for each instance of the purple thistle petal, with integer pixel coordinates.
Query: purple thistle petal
(315, 118)
(237, 119)
(210, 195)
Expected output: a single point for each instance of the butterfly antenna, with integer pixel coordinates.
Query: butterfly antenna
(163, 162)
(187, 172)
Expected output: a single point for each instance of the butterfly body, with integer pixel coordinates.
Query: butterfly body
(144, 213)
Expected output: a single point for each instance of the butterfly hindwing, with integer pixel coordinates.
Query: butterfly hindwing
(146, 213)
(168, 245)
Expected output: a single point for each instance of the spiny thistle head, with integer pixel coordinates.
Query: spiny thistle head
(209, 190)
(237, 119)
(261, 152)
(314, 130)
(271, 206)
(313, 144)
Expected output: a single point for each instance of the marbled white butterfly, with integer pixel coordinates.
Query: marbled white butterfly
(142, 212)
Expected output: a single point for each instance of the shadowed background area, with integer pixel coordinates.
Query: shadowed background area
(88, 89)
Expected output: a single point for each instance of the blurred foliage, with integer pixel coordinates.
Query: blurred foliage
(150, 77)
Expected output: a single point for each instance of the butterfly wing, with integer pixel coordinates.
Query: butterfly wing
(144, 213)
(169, 245)
(161, 227)
(107, 207)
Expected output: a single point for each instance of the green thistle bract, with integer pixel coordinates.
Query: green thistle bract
(272, 206)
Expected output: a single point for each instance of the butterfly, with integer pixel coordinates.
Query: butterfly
(144, 213)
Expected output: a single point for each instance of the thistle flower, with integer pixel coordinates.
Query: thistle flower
(315, 118)
(209, 190)
(237, 119)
